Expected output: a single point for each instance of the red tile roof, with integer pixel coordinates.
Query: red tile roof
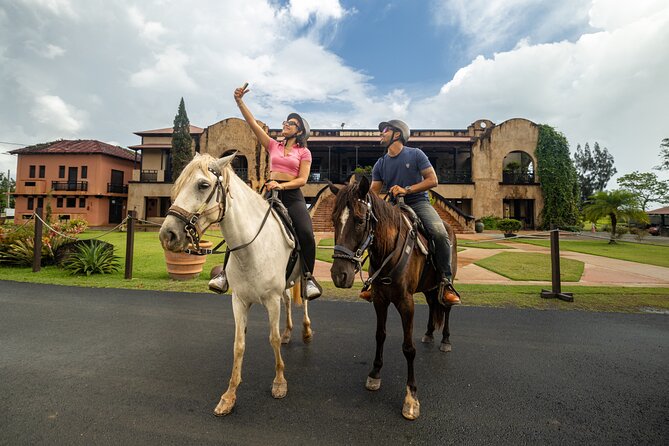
(660, 211)
(194, 130)
(80, 146)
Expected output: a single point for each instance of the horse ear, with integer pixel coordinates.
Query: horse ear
(363, 186)
(334, 189)
(223, 162)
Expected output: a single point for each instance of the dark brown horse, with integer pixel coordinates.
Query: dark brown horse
(398, 268)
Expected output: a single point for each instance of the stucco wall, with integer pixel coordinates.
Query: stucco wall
(488, 153)
(235, 134)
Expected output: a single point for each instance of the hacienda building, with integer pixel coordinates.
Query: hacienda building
(75, 179)
(485, 169)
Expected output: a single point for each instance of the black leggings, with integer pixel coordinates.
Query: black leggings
(297, 209)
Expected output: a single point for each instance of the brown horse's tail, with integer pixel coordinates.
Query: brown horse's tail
(438, 316)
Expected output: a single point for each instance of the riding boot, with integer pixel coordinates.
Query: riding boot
(312, 289)
(447, 294)
(366, 295)
(219, 283)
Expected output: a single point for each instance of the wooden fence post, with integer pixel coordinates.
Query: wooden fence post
(37, 243)
(130, 243)
(556, 292)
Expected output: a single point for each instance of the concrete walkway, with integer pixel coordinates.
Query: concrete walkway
(598, 271)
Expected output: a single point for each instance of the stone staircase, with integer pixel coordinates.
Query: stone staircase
(448, 218)
(322, 219)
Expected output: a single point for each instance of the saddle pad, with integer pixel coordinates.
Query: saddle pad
(419, 240)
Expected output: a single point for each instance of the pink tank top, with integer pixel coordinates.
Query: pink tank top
(290, 163)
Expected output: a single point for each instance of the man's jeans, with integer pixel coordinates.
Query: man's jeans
(435, 227)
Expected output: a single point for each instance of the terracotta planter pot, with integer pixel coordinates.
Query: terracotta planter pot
(182, 266)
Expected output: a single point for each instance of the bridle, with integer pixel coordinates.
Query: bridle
(191, 219)
(404, 250)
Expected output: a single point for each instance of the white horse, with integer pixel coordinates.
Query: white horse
(206, 192)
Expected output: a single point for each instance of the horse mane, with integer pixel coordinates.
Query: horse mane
(389, 217)
(200, 163)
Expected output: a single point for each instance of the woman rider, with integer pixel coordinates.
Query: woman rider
(290, 163)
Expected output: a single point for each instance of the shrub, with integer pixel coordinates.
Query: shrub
(620, 231)
(509, 225)
(639, 233)
(93, 258)
(490, 221)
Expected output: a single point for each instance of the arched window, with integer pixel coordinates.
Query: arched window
(518, 168)
(240, 165)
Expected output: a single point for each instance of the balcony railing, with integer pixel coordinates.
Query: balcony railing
(457, 176)
(70, 185)
(517, 178)
(117, 188)
(148, 176)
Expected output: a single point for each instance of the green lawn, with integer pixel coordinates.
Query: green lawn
(483, 245)
(525, 266)
(150, 274)
(633, 252)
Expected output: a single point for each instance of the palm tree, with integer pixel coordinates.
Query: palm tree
(616, 204)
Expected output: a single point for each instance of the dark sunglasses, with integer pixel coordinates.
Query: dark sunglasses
(387, 129)
(291, 123)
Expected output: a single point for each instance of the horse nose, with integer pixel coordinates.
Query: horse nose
(168, 237)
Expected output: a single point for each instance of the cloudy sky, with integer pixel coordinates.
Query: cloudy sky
(92, 69)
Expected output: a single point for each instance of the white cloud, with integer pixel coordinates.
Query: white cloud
(608, 86)
(149, 30)
(52, 111)
(169, 70)
(491, 24)
(323, 10)
(52, 51)
(56, 7)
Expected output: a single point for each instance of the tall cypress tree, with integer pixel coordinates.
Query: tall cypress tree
(559, 183)
(181, 141)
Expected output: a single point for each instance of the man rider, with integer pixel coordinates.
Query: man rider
(407, 171)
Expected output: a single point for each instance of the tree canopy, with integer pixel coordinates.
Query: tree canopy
(616, 204)
(594, 169)
(6, 183)
(181, 141)
(559, 184)
(664, 155)
(646, 187)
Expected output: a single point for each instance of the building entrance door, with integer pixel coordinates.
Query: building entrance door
(115, 210)
(522, 210)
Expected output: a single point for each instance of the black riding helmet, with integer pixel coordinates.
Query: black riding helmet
(303, 126)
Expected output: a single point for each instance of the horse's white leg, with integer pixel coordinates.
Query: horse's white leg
(240, 311)
(285, 337)
(307, 333)
(279, 385)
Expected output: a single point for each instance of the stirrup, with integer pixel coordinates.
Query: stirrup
(312, 289)
(219, 283)
(447, 285)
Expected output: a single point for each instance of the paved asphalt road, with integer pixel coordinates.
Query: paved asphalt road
(105, 366)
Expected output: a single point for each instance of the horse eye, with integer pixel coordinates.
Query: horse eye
(358, 221)
(203, 185)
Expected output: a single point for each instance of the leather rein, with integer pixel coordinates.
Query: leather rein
(342, 252)
(192, 219)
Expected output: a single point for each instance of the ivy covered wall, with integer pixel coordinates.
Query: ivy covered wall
(559, 182)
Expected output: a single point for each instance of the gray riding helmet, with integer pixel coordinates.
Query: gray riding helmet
(304, 126)
(401, 126)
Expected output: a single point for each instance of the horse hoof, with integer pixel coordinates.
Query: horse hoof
(427, 339)
(411, 410)
(285, 339)
(224, 407)
(279, 390)
(445, 347)
(373, 383)
(307, 337)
